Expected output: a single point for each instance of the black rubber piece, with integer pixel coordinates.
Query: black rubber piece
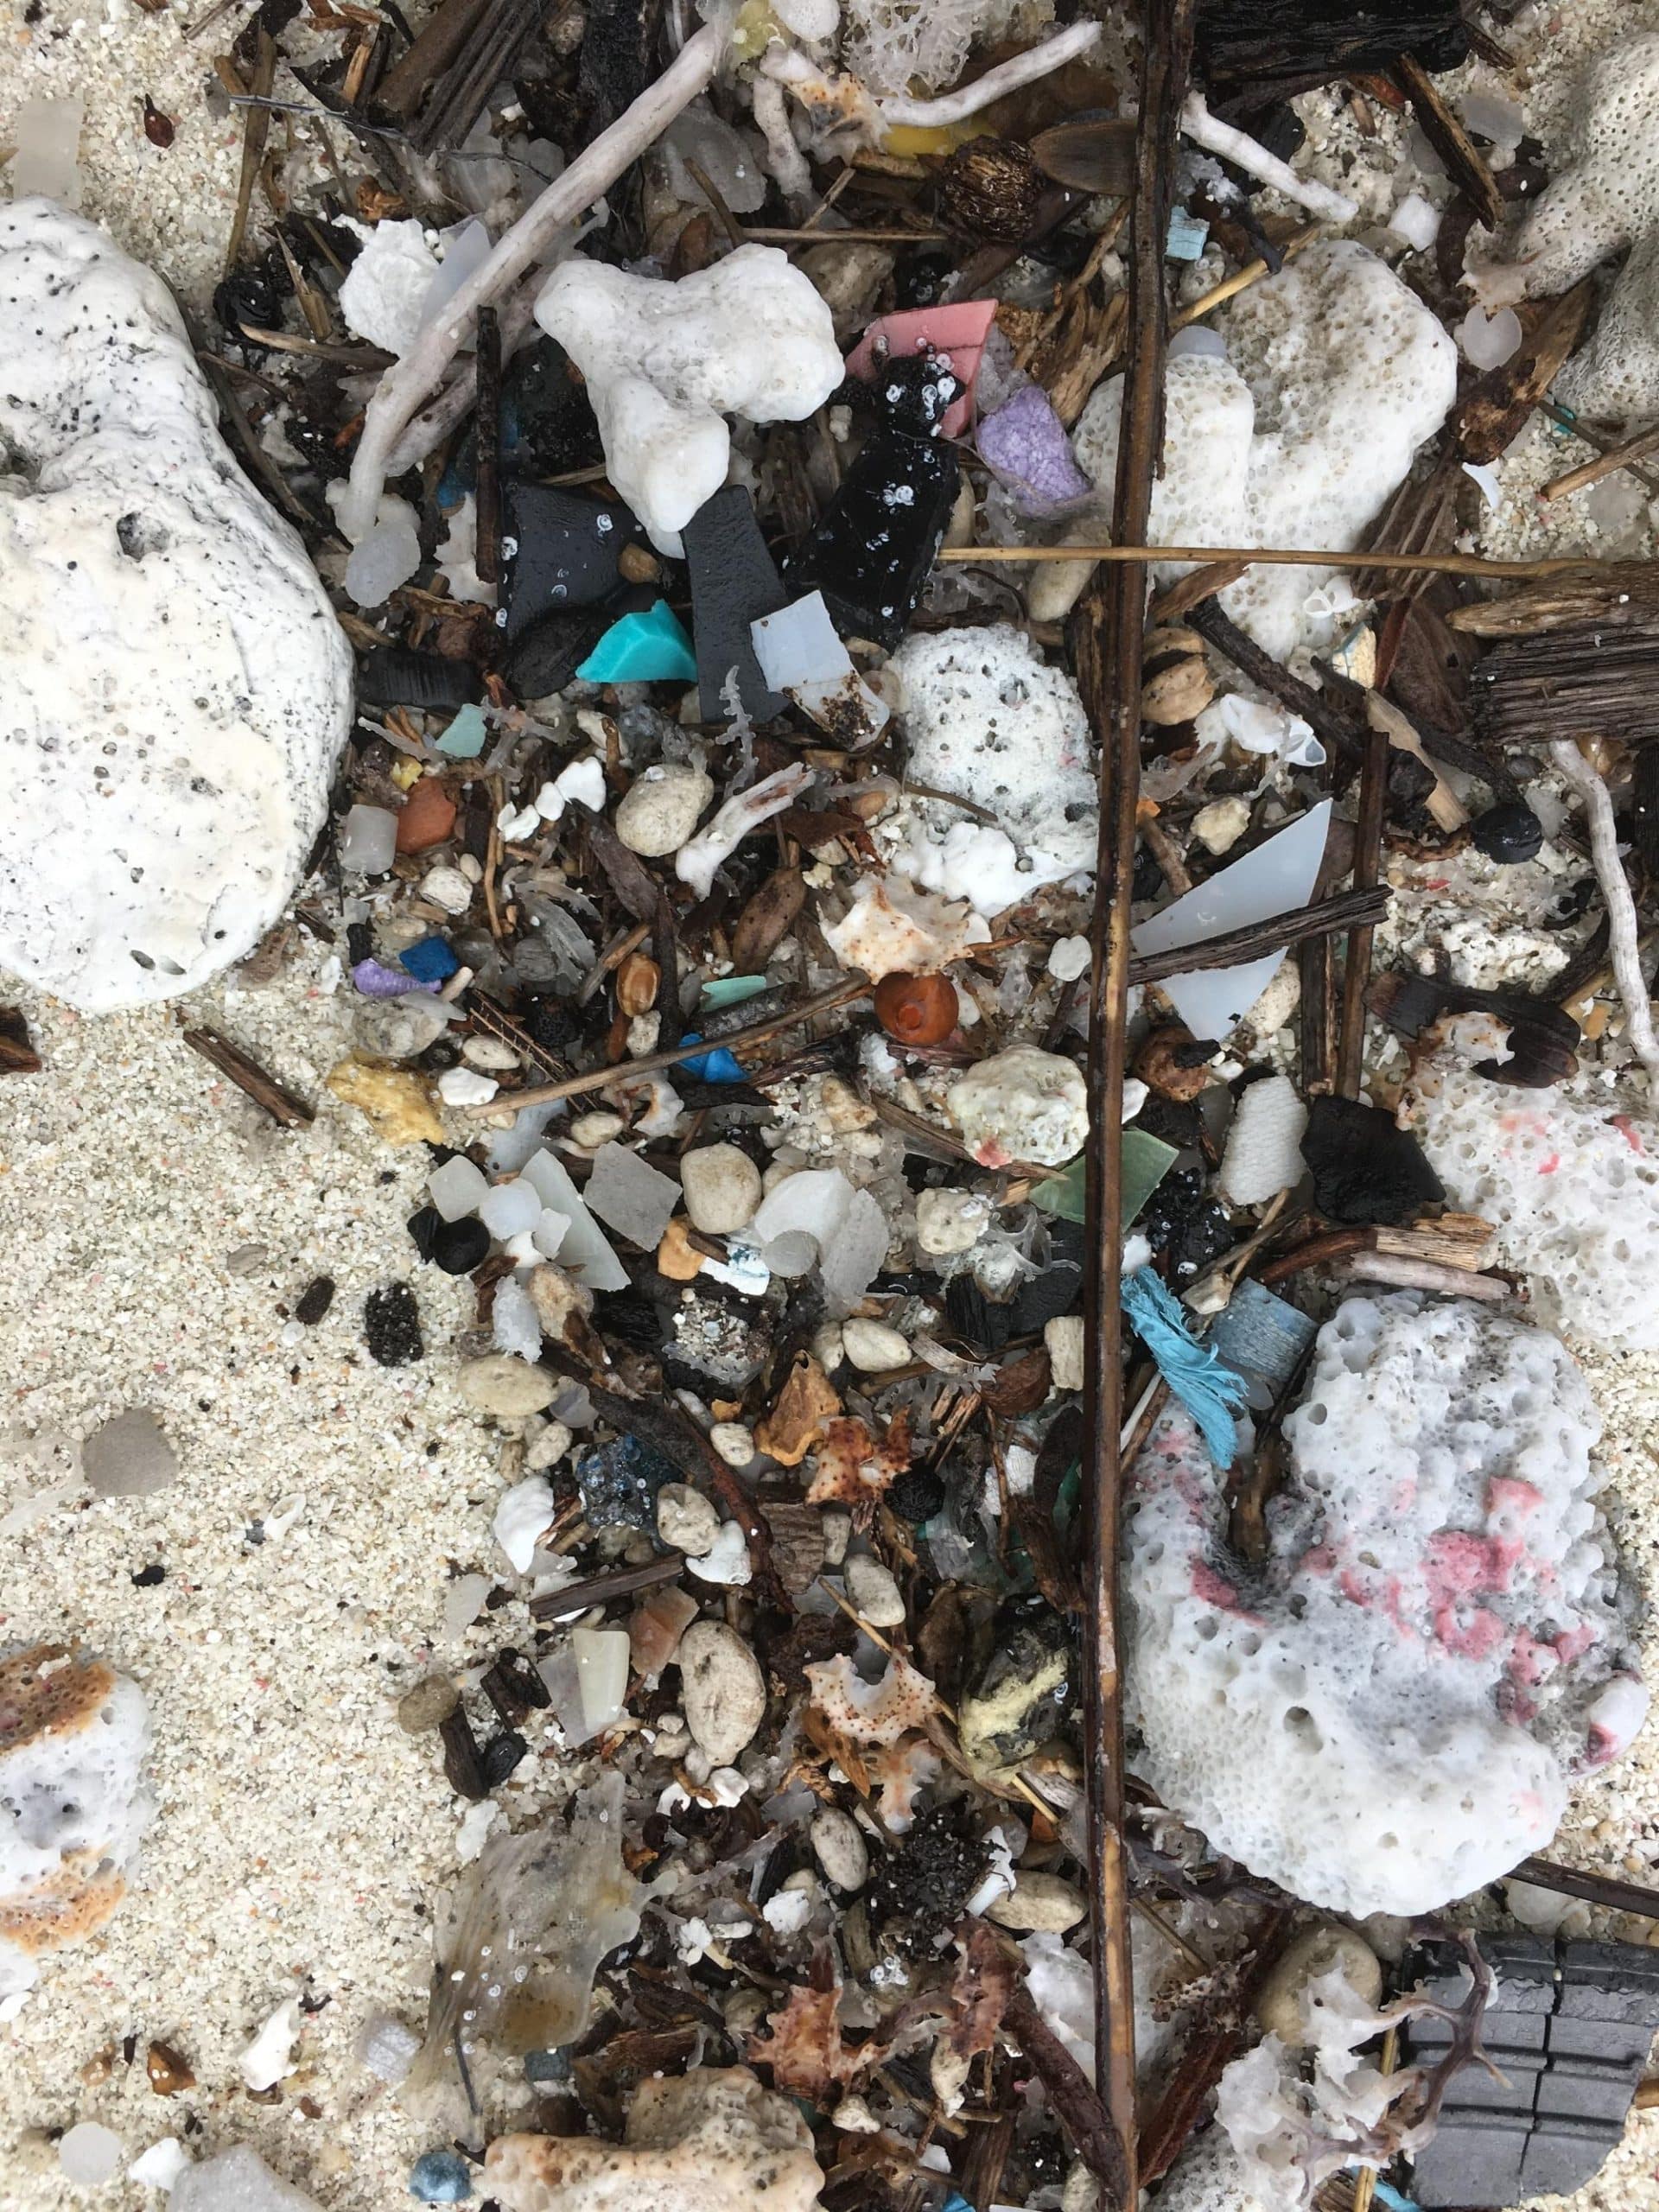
(734, 581)
(396, 677)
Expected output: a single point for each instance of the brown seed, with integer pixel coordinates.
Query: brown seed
(993, 189)
(158, 127)
(637, 983)
(637, 566)
(1177, 684)
(1171, 1064)
(169, 2071)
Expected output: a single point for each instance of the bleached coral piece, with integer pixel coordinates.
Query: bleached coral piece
(387, 284)
(877, 1713)
(175, 686)
(892, 930)
(1569, 1178)
(711, 2137)
(74, 1734)
(895, 45)
(665, 363)
(1384, 1714)
(1335, 374)
(1602, 198)
(988, 719)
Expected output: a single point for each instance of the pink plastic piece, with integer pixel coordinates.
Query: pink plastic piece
(960, 331)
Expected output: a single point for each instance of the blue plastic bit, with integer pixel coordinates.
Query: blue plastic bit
(466, 737)
(431, 961)
(440, 2177)
(649, 648)
(715, 1065)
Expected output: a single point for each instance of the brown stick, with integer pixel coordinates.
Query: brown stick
(1368, 866)
(1284, 557)
(599, 1589)
(1591, 472)
(625, 1070)
(487, 558)
(1361, 908)
(1597, 1889)
(1111, 628)
(440, 38)
(291, 1113)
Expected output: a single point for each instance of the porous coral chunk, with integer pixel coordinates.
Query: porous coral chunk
(710, 2138)
(1385, 1714)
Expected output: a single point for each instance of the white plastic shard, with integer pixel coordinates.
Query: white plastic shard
(800, 655)
(666, 363)
(1277, 878)
(175, 686)
(46, 147)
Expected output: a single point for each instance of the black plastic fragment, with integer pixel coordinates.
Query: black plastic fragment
(1365, 1169)
(871, 551)
(558, 551)
(460, 1246)
(734, 581)
(544, 657)
(396, 676)
(1507, 832)
(1569, 2028)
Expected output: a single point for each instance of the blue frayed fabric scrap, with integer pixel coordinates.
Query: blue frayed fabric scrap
(1213, 1393)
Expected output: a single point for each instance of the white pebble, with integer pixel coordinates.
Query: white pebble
(1219, 826)
(160, 2165)
(722, 1189)
(465, 1087)
(488, 1052)
(725, 1693)
(446, 887)
(1069, 959)
(524, 1513)
(839, 1847)
(660, 808)
(726, 1561)
(547, 1446)
(733, 1442)
(270, 2055)
(686, 1520)
(871, 1591)
(872, 1347)
(951, 1221)
(90, 2155)
(592, 1130)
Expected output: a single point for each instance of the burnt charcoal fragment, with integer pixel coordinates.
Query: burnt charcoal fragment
(921, 1889)
(872, 549)
(1366, 1170)
(734, 581)
(1507, 833)
(1245, 48)
(1180, 1221)
(916, 1496)
(392, 1326)
(314, 1301)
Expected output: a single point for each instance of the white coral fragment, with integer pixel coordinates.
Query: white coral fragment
(1335, 374)
(665, 363)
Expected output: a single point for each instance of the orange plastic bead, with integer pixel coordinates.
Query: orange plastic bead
(916, 1009)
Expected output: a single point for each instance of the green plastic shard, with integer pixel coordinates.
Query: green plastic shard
(1147, 1161)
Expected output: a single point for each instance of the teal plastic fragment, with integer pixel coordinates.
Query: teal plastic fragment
(1147, 1161)
(1187, 237)
(731, 990)
(466, 736)
(648, 648)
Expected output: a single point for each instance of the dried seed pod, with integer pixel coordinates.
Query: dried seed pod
(916, 1009)
(1176, 683)
(992, 188)
(1173, 1064)
(637, 983)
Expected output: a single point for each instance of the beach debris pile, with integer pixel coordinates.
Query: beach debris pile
(708, 444)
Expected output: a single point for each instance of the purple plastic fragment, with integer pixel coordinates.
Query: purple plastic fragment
(376, 981)
(1024, 443)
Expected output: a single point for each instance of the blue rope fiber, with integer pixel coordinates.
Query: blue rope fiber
(1213, 1393)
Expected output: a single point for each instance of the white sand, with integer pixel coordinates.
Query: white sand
(301, 1835)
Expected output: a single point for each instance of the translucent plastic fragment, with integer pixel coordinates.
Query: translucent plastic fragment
(601, 1656)
(511, 1208)
(45, 150)
(457, 1188)
(631, 1197)
(517, 1952)
(1277, 878)
(583, 1248)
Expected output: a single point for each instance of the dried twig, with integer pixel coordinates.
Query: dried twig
(1591, 472)
(247, 1074)
(1284, 557)
(1111, 625)
(1623, 928)
(1367, 865)
(1445, 134)
(1361, 908)
(653, 1063)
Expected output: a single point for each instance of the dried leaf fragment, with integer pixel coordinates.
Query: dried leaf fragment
(872, 1712)
(806, 1402)
(804, 2049)
(853, 1469)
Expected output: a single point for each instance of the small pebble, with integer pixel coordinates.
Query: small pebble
(440, 2177)
(1219, 826)
(734, 1442)
(1507, 833)
(951, 1221)
(1314, 1953)
(547, 1447)
(314, 1300)
(661, 808)
(387, 2048)
(829, 1346)
(432, 1700)
(872, 1347)
(1039, 1903)
(501, 1384)
(726, 1559)
(592, 1130)
(466, 1087)
(392, 1326)
(686, 1520)
(837, 1535)
(488, 1052)
(90, 2155)
(448, 888)
(129, 1456)
(1068, 958)
(839, 1846)
(458, 1247)
(722, 1189)
(725, 1693)
(872, 1592)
